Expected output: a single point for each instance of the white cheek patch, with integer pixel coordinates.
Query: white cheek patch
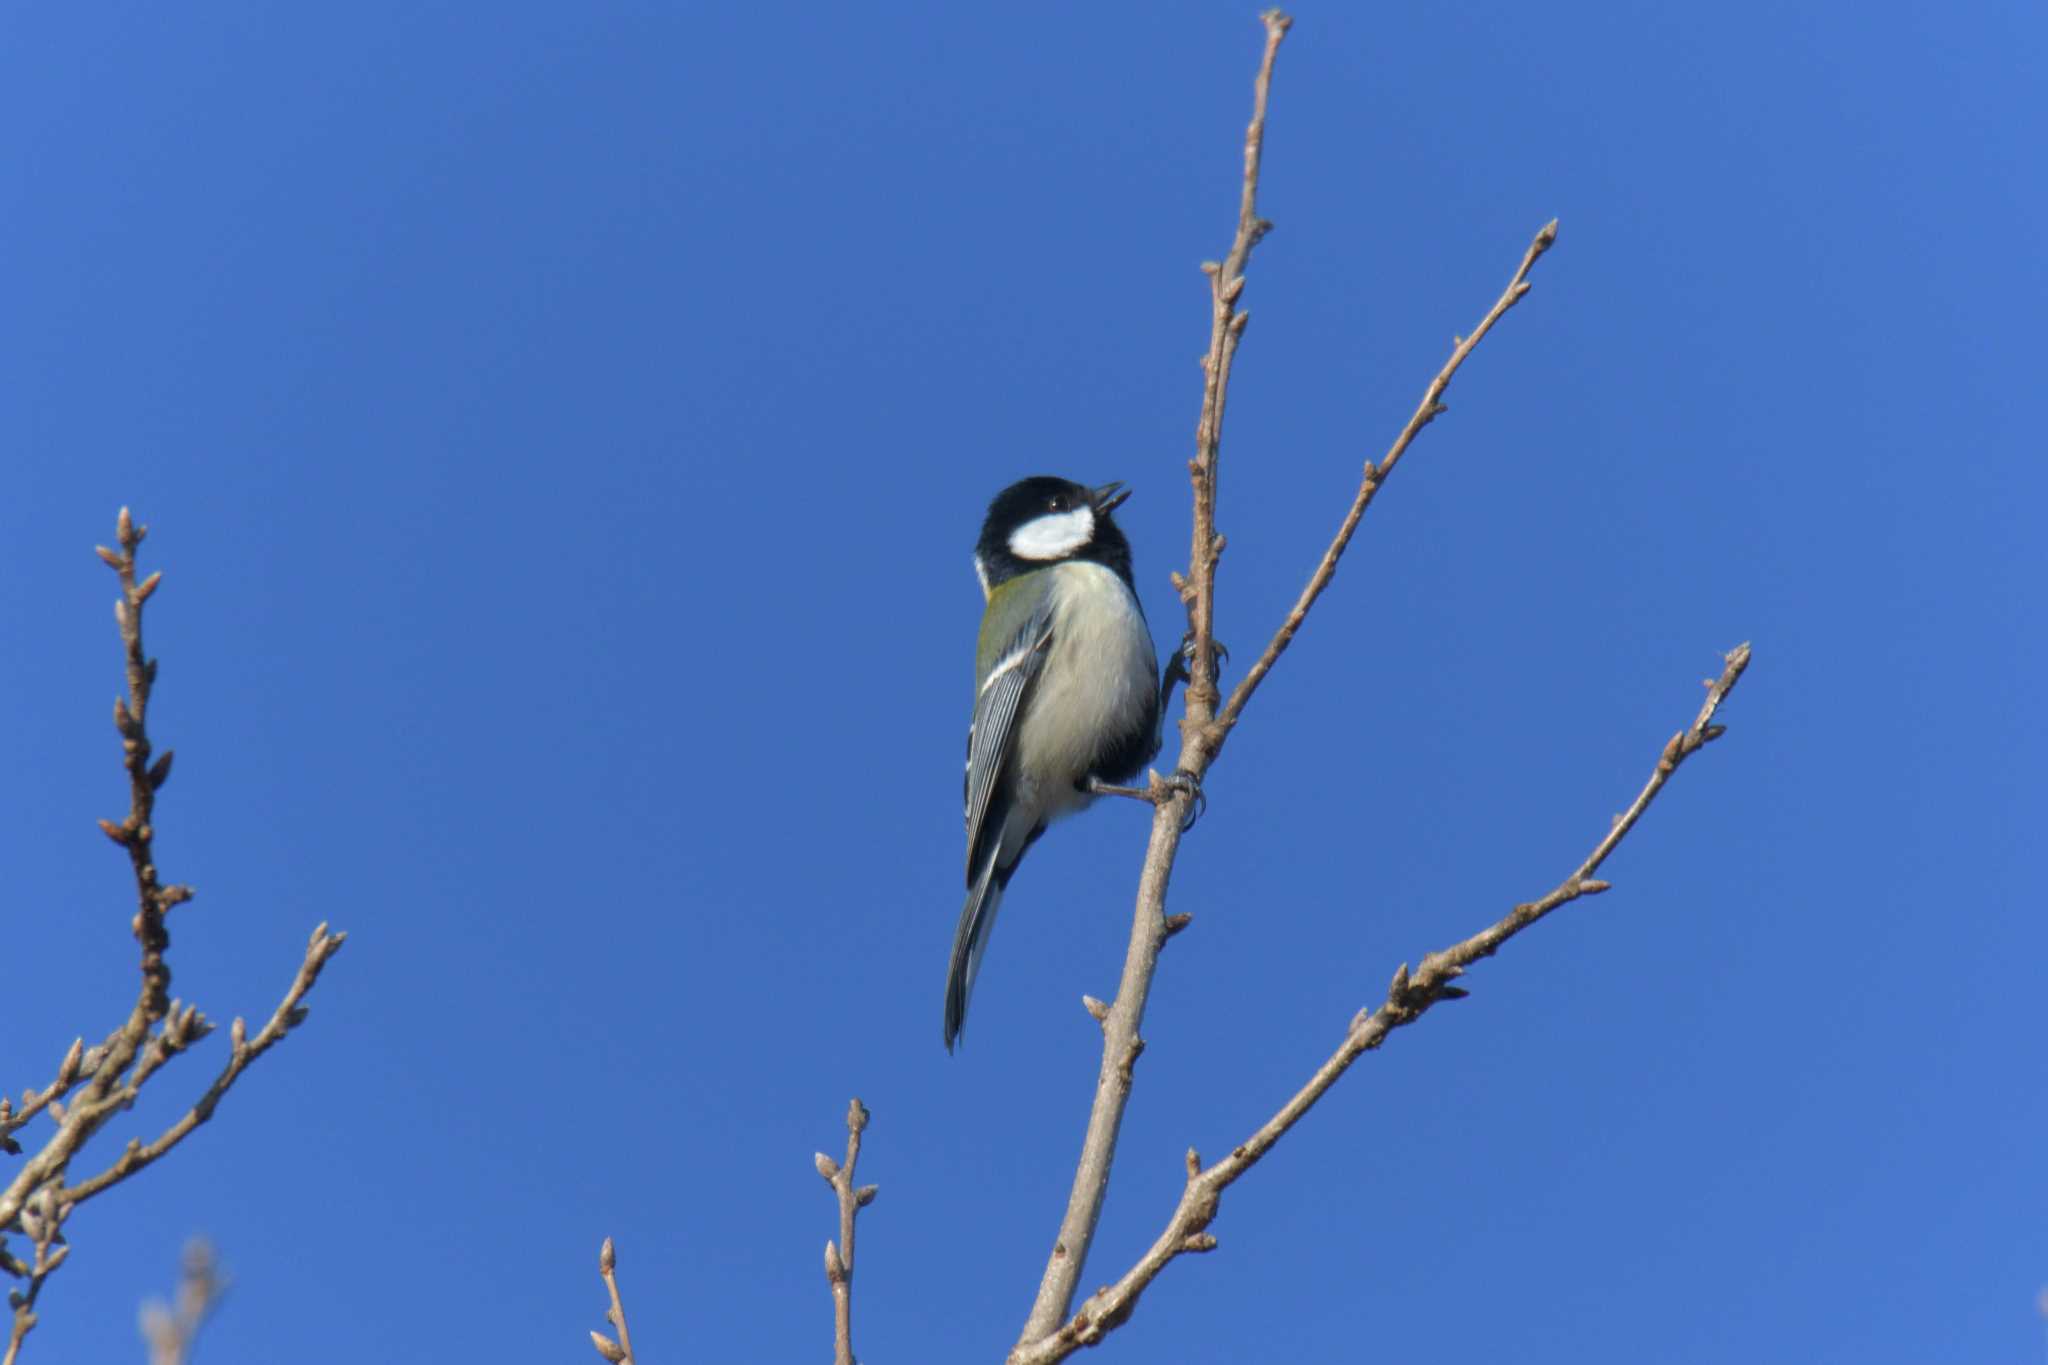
(1054, 535)
(981, 573)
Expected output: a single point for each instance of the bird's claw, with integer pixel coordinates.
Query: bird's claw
(1185, 655)
(1177, 671)
(1190, 786)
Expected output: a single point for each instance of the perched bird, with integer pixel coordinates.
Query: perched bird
(1066, 689)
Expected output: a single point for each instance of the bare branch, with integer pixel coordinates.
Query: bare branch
(839, 1258)
(1120, 1042)
(42, 1218)
(1376, 475)
(1408, 998)
(1204, 728)
(171, 1329)
(288, 1015)
(1226, 329)
(618, 1352)
(137, 833)
(92, 1085)
(79, 1064)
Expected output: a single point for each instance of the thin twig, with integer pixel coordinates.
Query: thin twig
(43, 1220)
(1204, 728)
(1120, 1042)
(171, 1329)
(244, 1050)
(839, 1258)
(619, 1352)
(1226, 329)
(136, 834)
(1376, 475)
(79, 1064)
(93, 1085)
(1408, 998)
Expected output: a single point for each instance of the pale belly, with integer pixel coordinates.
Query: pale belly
(1101, 678)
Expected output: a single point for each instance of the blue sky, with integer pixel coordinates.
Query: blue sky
(565, 430)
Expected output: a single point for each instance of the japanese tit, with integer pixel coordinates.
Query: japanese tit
(1066, 689)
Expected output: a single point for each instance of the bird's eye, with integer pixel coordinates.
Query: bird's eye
(1057, 503)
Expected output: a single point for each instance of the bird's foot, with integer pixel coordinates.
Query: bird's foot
(1185, 783)
(1177, 668)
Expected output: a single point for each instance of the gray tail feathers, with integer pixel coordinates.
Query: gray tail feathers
(970, 941)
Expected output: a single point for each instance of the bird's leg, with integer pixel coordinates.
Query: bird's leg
(1095, 786)
(1182, 781)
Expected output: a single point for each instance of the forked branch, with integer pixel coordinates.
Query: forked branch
(92, 1085)
(1206, 724)
(1120, 1042)
(839, 1258)
(1376, 475)
(1408, 997)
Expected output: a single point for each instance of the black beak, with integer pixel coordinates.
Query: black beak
(1109, 497)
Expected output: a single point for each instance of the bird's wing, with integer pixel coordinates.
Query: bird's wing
(993, 734)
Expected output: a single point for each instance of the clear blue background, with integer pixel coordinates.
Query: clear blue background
(565, 429)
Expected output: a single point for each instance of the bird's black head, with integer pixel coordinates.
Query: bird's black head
(1043, 520)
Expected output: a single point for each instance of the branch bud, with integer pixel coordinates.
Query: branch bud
(606, 1257)
(160, 771)
(148, 586)
(865, 1195)
(606, 1347)
(835, 1269)
(113, 561)
(827, 1167)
